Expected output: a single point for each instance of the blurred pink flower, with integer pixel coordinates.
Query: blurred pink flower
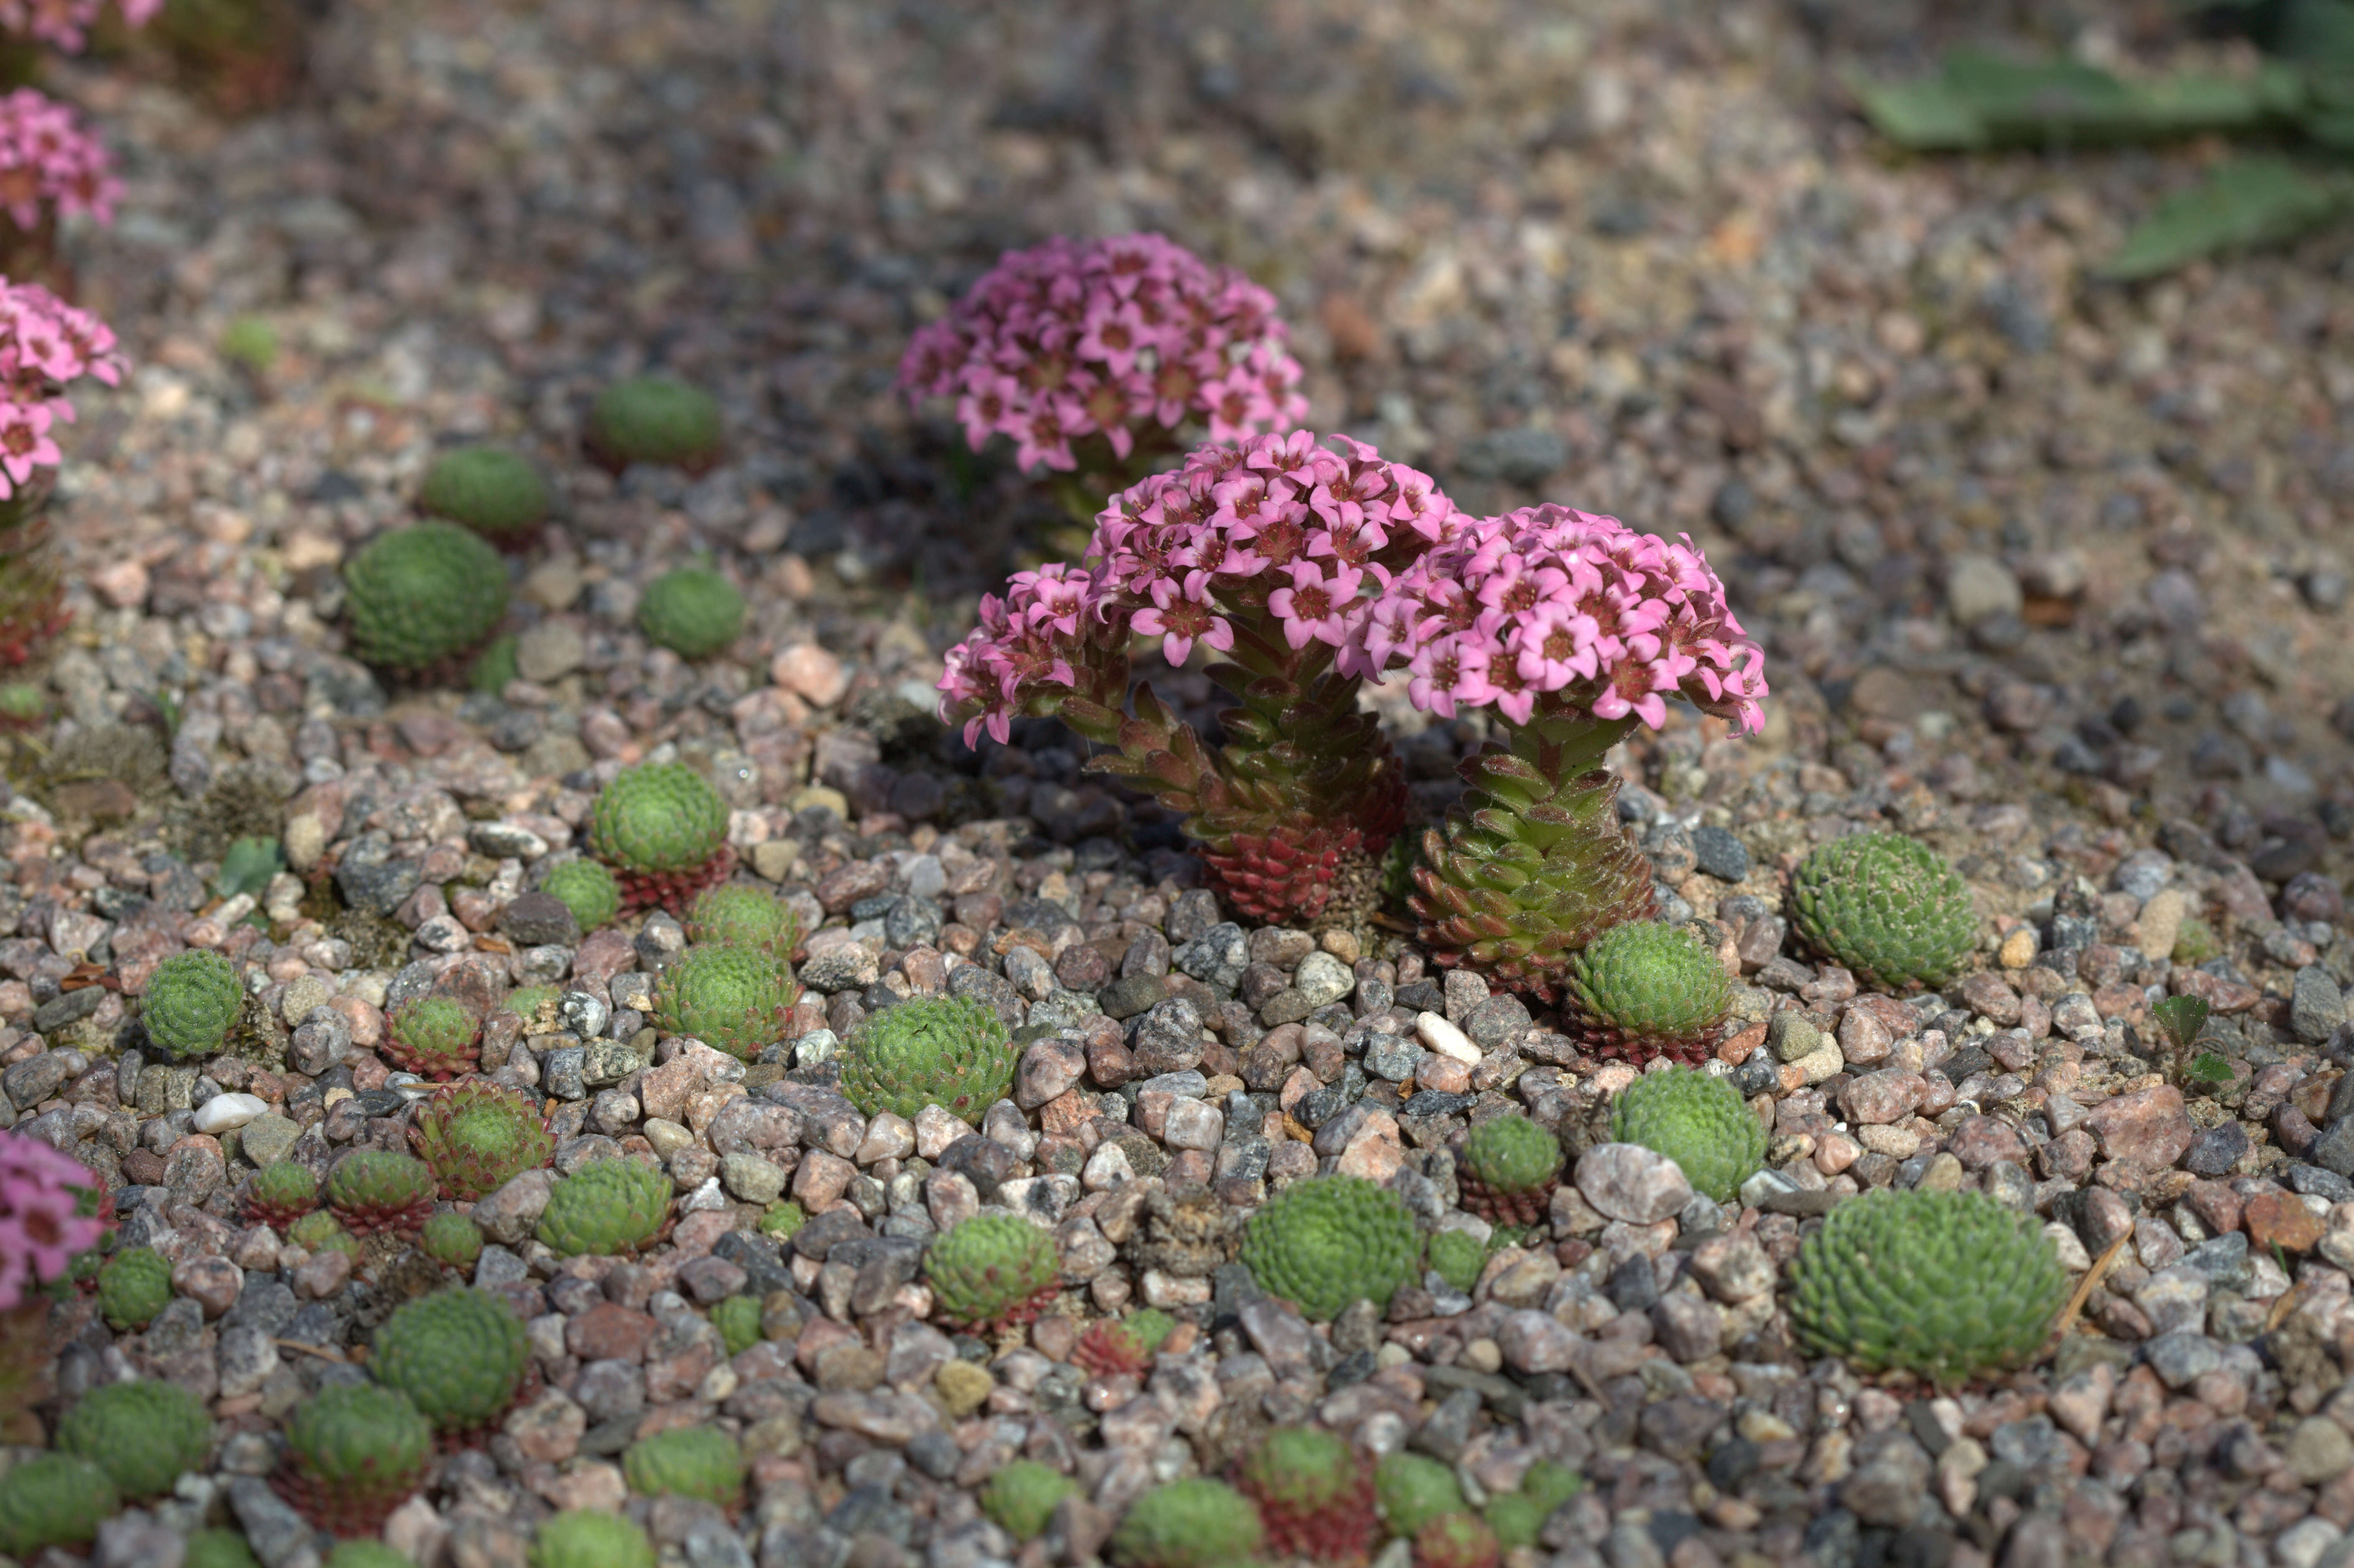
(46, 345)
(48, 163)
(1071, 339)
(51, 1213)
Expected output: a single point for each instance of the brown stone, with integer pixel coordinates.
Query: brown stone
(2146, 1127)
(2219, 994)
(609, 1331)
(2281, 1220)
(1992, 996)
(1981, 1140)
(1876, 1099)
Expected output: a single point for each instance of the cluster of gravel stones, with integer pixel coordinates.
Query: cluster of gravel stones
(1965, 599)
(1191, 1066)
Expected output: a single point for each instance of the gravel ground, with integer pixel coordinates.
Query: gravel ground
(2050, 573)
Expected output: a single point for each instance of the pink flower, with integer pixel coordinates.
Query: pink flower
(1178, 614)
(51, 1212)
(1067, 340)
(1315, 605)
(49, 164)
(1548, 609)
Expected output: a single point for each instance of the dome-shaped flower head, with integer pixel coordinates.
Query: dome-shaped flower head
(1547, 611)
(1072, 339)
(66, 23)
(52, 1209)
(1275, 536)
(48, 160)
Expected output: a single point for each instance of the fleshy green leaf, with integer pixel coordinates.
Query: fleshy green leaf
(249, 866)
(1921, 116)
(2247, 202)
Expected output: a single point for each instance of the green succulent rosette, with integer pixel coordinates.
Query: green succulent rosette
(143, 1435)
(657, 816)
(735, 915)
(1888, 908)
(53, 1500)
(1948, 1285)
(693, 611)
(990, 1269)
(476, 1137)
(193, 1000)
(1021, 1497)
(590, 1538)
(1327, 1241)
(498, 493)
(936, 1050)
(1646, 990)
(732, 999)
(423, 594)
(1699, 1121)
(133, 1287)
(588, 889)
(687, 1461)
(607, 1207)
(655, 419)
(460, 1356)
(1196, 1523)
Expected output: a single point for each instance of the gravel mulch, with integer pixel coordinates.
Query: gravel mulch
(2050, 574)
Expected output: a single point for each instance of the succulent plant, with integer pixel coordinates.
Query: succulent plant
(1518, 1518)
(990, 1270)
(53, 1500)
(218, 1549)
(498, 493)
(1314, 1492)
(934, 1050)
(1948, 1285)
(1021, 1497)
(590, 1538)
(536, 1004)
(662, 828)
(1699, 1121)
(143, 1435)
(1888, 907)
(1113, 1345)
(460, 1355)
(1196, 1523)
(373, 1190)
(423, 596)
(587, 888)
(193, 999)
(499, 662)
(281, 1193)
(1508, 1170)
(737, 914)
(692, 610)
(453, 1240)
(22, 705)
(732, 999)
(435, 1037)
(689, 1462)
(782, 1220)
(134, 1285)
(354, 1453)
(476, 1137)
(1412, 1490)
(1457, 1256)
(320, 1230)
(737, 1319)
(1325, 1241)
(655, 419)
(1646, 990)
(366, 1555)
(1456, 1541)
(606, 1207)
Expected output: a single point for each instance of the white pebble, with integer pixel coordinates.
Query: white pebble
(1446, 1039)
(222, 1112)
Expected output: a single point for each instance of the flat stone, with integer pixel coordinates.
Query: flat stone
(2216, 1152)
(225, 1112)
(2316, 1008)
(538, 920)
(2147, 1127)
(1627, 1181)
(2281, 1220)
(1722, 856)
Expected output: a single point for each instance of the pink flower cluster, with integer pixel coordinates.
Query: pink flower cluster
(45, 345)
(1567, 610)
(49, 1215)
(1069, 340)
(66, 23)
(47, 159)
(1274, 529)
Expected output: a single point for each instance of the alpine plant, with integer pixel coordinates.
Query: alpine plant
(1090, 355)
(1572, 629)
(46, 345)
(1261, 551)
(53, 1211)
(477, 1136)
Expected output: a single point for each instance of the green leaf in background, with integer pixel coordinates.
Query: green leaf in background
(248, 867)
(1979, 100)
(2210, 1068)
(2181, 1017)
(2246, 202)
